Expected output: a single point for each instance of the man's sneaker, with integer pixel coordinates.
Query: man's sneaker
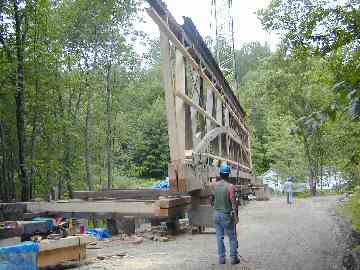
(221, 260)
(235, 260)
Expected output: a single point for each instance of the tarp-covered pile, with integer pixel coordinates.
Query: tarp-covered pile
(20, 257)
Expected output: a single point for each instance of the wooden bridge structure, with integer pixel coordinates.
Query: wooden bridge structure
(205, 119)
(206, 122)
(206, 126)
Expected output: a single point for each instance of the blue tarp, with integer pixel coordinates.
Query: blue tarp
(99, 233)
(20, 257)
(162, 185)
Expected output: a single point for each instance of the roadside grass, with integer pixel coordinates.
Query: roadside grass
(351, 210)
(121, 181)
(307, 194)
(302, 195)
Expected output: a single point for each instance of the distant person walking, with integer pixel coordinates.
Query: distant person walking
(288, 188)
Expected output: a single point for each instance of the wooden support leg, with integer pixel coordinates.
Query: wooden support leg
(125, 224)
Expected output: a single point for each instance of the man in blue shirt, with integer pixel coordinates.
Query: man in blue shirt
(288, 188)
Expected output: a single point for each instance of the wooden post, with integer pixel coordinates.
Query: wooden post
(249, 154)
(180, 85)
(219, 119)
(209, 108)
(193, 110)
(227, 124)
(169, 95)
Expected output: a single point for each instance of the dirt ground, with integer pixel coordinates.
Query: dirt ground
(272, 236)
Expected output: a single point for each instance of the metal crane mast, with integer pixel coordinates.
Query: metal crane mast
(222, 29)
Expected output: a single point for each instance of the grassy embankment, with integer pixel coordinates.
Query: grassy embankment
(352, 210)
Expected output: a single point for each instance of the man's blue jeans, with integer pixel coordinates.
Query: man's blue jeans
(224, 223)
(290, 197)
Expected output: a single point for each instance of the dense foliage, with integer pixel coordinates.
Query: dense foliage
(80, 108)
(313, 79)
(76, 104)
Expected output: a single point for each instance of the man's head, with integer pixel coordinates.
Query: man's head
(290, 179)
(224, 170)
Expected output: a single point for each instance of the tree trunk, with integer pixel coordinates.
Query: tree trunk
(88, 122)
(312, 174)
(4, 192)
(20, 110)
(33, 142)
(109, 128)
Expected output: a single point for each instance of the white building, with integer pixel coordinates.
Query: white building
(272, 179)
(330, 179)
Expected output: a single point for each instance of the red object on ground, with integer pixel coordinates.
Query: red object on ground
(82, 229)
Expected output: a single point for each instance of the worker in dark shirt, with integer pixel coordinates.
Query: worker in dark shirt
(226, 218)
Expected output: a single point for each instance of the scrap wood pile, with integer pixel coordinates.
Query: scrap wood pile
(27, 245)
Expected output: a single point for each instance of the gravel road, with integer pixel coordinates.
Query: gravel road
(272, 236)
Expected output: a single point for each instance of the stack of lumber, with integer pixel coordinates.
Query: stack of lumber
(122, 194)
(72, 248)
(172, 207)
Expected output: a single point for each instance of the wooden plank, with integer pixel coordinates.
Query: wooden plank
(227, 124)
(125, 208)
(69, 241)
(141, 194)
(180, 86)
(219, 119)
(57, 256)
(124, 194)
(172, 202)
(174, 212)
(228, 161)
(169, 95)
(249, 153)
(193, 111)
(200, 110)
(209, 108)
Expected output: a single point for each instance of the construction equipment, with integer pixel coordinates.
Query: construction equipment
(205, 119)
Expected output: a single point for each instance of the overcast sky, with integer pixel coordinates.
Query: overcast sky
(247, 26)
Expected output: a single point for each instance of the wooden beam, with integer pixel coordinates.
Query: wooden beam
(209, 107)
(53, 252)
(141, 209)
(174, 212)
(172, 202)
(193, 110)
(249, 153)
(190, 102)
(180, 86)
(228, 161)
(169, 95)
(120, 194)
(219, 118)
(227, 139)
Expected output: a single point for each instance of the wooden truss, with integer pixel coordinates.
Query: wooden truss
(205, 119)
